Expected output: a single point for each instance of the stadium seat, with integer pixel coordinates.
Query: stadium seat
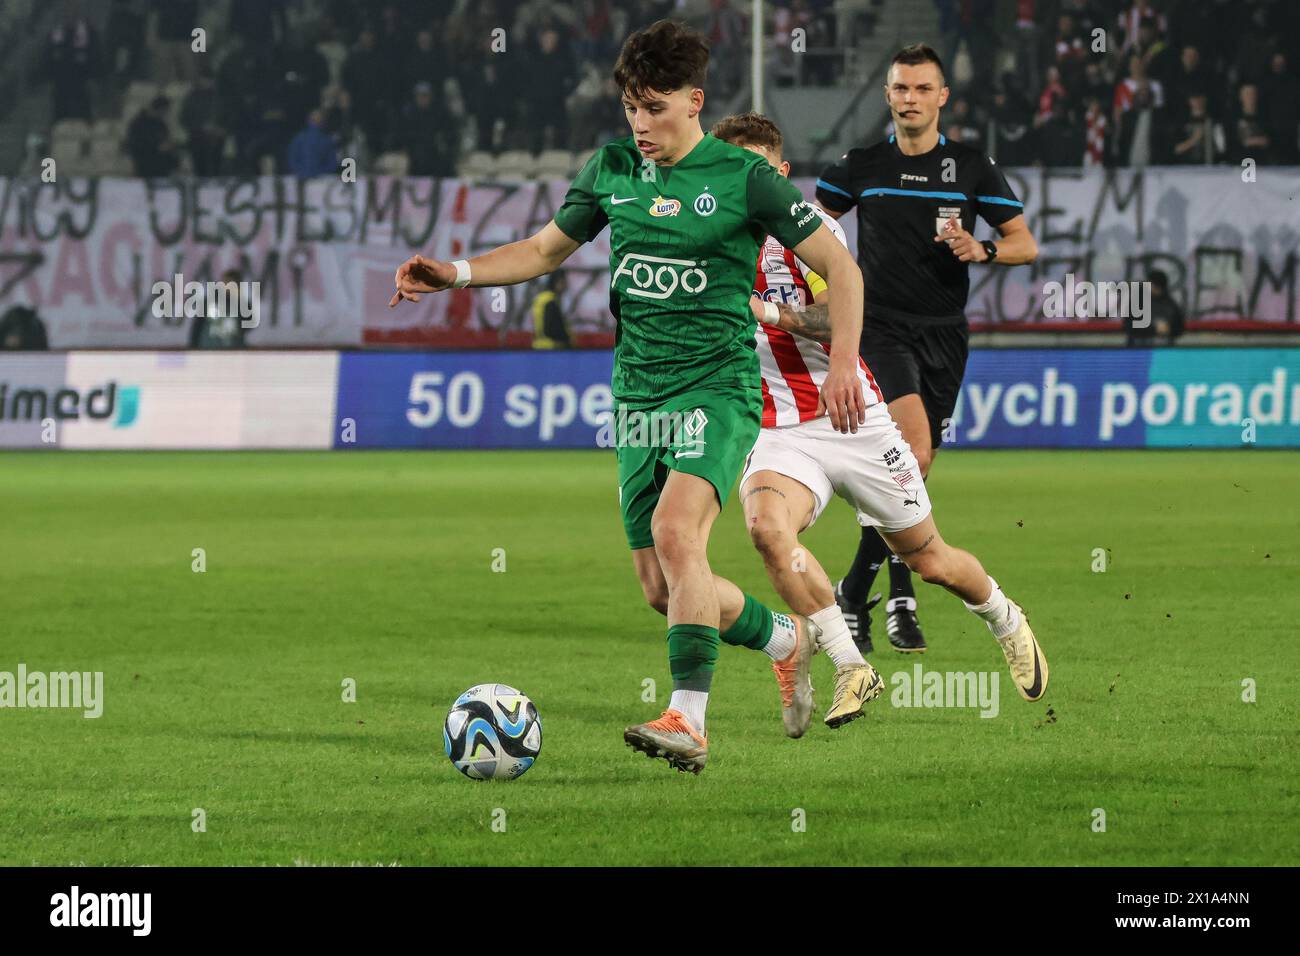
(553, 163)
(109, 129)
(70, 129)
(579, 160)
(104, 150)
(393, 164)
(142, 90)
(477, 165)
(515, 164)
(68, 155)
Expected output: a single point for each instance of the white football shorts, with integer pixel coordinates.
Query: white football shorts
(873, 469)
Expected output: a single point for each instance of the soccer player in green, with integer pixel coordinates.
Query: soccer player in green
(687, 215)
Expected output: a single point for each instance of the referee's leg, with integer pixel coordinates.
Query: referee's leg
(909, 414)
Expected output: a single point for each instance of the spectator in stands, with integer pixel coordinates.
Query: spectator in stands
(1094, 83)
(1130, 24)
(429, 134)
(1249, 138)
(305, 73)
(201, 120)
(549, 328)
(548, 119)
(221, 325)
(596, 109)
(961, 124)
(427, 63)
(266, 126)
(262, 24)
(726, 31)
(313, 151)
(126, 35)
(1136, 100)
(1052, 92)
(1069, 49)
(594, 41)
(532, 15)
(173, 54)
(1013, 139)
(149, 141)
(71, 60)
(341, 123)
(1061, 139)
(366, 77)
(1164, 320)
(1199, 138)
(1095, 130)
(1191, 77)
(1157, 63)
(491, 83)
(1140, 140)
(21, 330)
(1281, 96)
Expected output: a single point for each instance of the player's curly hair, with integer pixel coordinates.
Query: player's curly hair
(663, 57)
(749, 129)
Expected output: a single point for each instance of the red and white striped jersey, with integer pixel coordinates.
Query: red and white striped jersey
(794, 367)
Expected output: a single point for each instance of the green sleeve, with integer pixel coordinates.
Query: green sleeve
(777, 206)
(580, 216)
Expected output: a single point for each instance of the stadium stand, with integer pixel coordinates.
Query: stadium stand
(1177, 83)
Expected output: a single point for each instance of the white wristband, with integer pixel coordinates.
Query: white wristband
(462, 274)
(771, 314)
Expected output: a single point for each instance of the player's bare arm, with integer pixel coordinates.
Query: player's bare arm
(841, 392)
(1017, 246)
(540, 253)
(813, 322)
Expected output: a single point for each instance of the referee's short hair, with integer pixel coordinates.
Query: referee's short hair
(917, 54)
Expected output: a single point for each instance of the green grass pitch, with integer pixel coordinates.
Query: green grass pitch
(224, 688)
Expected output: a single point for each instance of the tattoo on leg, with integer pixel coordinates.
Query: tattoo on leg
(754, 491)
(921, 547)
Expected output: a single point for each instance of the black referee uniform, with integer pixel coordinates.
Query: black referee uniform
(915, 337)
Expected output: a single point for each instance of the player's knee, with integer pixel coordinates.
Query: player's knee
(932, 566)
(656, 595)
(770, 536)
(675, 543)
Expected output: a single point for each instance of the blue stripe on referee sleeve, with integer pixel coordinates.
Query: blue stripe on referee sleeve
(999, 201)
(823, 184)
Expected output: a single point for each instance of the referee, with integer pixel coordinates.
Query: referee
(917, 196)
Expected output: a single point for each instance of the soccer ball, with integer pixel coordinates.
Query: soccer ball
(492, 732)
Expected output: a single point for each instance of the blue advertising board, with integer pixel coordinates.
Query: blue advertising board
(1012, 398)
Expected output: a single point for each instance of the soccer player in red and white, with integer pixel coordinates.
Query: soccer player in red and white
(799, 461)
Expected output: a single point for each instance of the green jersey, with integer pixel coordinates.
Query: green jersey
(684, 243)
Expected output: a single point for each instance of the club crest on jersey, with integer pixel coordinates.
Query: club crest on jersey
(659, 207)
(706, 204)
(946, 213)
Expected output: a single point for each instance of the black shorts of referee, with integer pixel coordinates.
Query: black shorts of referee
(909, 358)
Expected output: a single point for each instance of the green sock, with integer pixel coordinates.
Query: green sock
(692, 652)
(752, 629)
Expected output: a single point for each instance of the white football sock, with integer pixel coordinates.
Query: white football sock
(691, 705)
(836, 640)
(997, 612)
(782, 641)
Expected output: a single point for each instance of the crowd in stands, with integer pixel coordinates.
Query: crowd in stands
(1210, 81)
(291, 87)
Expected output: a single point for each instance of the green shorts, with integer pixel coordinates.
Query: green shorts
(705, 432)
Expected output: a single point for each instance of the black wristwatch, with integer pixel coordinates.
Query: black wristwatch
(991, 248)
